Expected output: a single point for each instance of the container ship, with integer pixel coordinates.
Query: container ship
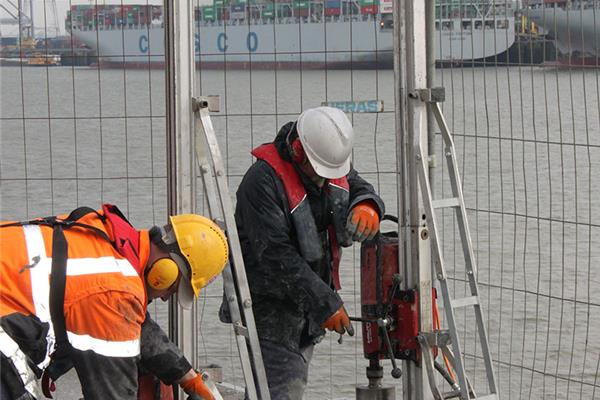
(294, 34)
(573, 26)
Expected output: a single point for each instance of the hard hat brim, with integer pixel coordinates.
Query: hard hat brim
(185, 294)
(328, 172)
(185, 291)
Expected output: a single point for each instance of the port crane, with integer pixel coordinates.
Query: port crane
(22, 13)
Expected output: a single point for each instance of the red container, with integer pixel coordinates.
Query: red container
(301, 12)
(368, 9)
(332, 11)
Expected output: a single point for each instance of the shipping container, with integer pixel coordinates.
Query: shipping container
(301, 12)
(333, 7)
(387, 6)
(368, 9)
(268, 11)
(238, 11)
(284, 10)
(300, 4)
(332, 11)
(208, 13)
(222, 13)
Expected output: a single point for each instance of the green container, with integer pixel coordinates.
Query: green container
(218, 3)
(300, 4)
(268, 11)
(368, 2)
(208, 13)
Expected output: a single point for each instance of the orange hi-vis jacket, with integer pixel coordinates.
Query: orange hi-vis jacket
(105, 299)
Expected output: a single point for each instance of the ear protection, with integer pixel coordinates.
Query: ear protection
(162, 274)
(295, 145)
(298, 152)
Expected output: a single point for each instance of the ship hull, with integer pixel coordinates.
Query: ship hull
(351, 44)
(576, 33)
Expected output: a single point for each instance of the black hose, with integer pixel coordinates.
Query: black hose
(445, 374)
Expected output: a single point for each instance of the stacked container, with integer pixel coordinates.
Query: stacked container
(238, 11)
(301, 8)
(333, 7)
(208, 13)
(368, 6)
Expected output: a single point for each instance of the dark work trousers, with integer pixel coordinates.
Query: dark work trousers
(6, 395)
(287, 371)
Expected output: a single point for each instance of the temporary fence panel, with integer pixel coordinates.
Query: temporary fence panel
(526, 123)
(74, 133)
(266, 72)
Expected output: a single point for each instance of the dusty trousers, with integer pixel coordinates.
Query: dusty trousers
(287, 371)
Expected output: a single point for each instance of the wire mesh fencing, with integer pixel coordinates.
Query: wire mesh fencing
(268, 64)
(527, 137)
(526, 124)
(74, 133)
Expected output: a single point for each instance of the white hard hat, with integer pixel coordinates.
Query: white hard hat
(327, 137)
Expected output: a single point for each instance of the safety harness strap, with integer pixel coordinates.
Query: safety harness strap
(61, 361)
(58, 282)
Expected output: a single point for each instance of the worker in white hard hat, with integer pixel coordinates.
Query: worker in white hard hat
(296, 207)
(74, 293)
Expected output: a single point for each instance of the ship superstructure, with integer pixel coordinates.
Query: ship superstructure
(305, 33)
(574, 25)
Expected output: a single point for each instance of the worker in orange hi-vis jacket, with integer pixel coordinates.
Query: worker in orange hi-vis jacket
(74, 291)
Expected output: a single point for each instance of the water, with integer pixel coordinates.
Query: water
(528, 141)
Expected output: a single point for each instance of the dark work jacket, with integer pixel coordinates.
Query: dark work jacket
(291, 297)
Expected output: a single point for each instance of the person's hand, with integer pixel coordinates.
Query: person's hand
(363, 221)
(197, 386)
(339, 322)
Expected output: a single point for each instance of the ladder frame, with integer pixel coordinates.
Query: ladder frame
(237, 292)
(432, 97)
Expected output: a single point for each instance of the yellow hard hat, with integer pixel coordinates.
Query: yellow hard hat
(204, 246)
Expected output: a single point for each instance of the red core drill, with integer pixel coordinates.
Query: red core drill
(389, 315)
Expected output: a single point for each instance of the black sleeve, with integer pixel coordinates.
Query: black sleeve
(361, 190)
(278, 266)
(159, 355)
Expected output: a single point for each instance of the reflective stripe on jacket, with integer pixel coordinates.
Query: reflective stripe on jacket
(105, 299)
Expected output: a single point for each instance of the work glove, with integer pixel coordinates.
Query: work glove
(196, 386)
(339, 322)
(363, 221)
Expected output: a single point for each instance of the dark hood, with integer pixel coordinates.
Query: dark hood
(281, 144)
(280, 141)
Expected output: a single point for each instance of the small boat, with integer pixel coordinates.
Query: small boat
(43, 60)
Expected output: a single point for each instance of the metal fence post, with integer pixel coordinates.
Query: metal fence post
(410, 68)
(180, 67)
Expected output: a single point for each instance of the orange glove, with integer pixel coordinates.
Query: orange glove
(363, 221)
(196, 386)
(339, 322)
